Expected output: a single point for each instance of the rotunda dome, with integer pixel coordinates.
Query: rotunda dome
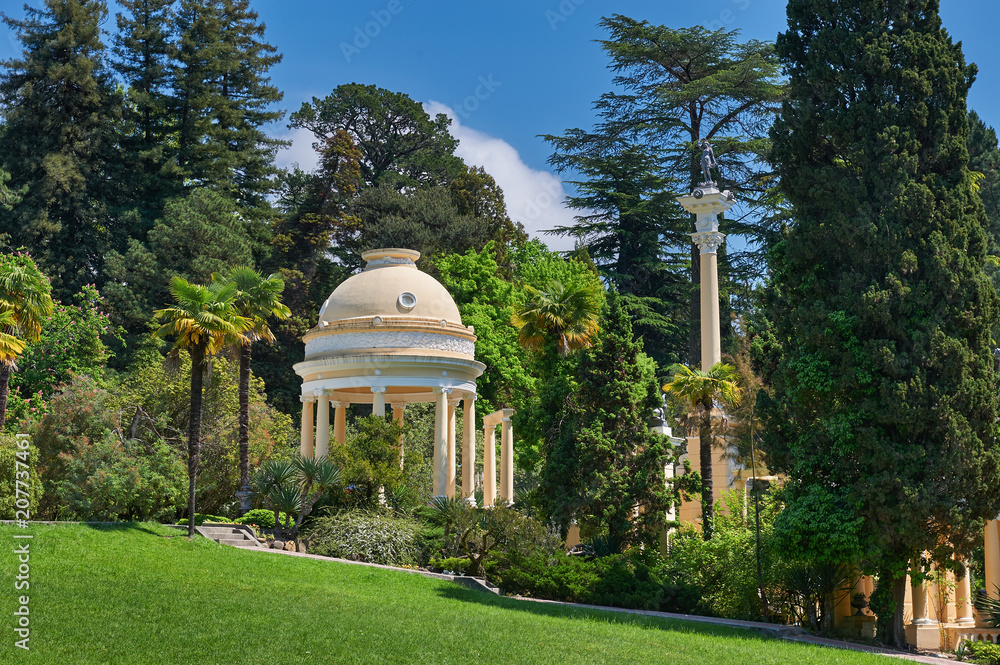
(390, 286)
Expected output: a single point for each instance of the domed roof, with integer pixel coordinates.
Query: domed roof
(390, 286)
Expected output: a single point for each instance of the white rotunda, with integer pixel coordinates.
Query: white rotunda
(393, 335)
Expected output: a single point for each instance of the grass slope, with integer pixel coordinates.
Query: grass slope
(144, 594)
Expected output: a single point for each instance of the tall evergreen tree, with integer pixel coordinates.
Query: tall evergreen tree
(143, 51)
(887, 391)
(61, 115)
(630, 231)
(222, 98)
(601, 463)
(679, 86)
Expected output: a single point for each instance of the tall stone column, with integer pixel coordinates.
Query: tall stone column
(706, 202)
(991, 545)
(469, 445)
(452, 457)
(922, 632)
(378, 401)
(397, 416)
(507, 457)
(489, 465)
(441, 441)
(963, 599)
(308, 422)
(340, 422)
(323, 425)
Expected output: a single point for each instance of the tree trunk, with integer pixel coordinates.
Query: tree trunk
(194, 429)
(897, 636)
(5, 369)
(244, 395)
(707, 488)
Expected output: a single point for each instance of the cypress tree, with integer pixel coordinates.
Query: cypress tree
(600, 459)
(61, 120)
(886, 393)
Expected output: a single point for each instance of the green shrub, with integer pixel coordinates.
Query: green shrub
(366, 536)
(200, 518)
(9, 449)
(984, 653)
(453, 564)
(618, 580)
(263, 518)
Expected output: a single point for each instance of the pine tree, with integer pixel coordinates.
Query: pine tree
(887, 391)
(601, 462)
(143, 51)
(221, 99)
(61, 119)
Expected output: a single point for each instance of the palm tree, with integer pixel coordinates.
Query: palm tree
(258, 298)
(25, 299)
(567, 313)
(202, 321)
(702, 390)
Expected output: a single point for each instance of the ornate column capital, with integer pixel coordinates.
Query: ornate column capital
(709, 241)
(340, 405)
(471, 397)
(438, 391)
(397, 405)
(307, 398)
(378, 389)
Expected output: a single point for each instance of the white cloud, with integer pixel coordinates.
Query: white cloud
(534, 198)
(300, 152)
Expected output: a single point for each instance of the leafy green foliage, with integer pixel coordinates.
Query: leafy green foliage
(487, 303)
(366, 536)
(9, 469)
(72, 341)
(114, 479)
(263, 518)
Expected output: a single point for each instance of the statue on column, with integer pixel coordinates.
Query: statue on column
(707, 162)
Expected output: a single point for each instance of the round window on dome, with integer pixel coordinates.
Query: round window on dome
(406, 301)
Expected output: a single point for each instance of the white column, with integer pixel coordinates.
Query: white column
(507, 458)
(469, 445)
(308, 422)
(489, 465)
(963, 599)
(397, 416)
(378, 402)
(452, 457)
(711, 344)
(340, 421)
(441, 441)
(323, 425)
(918, 594)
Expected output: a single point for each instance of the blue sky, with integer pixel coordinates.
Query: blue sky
(534, 64)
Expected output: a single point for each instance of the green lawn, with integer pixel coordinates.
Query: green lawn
(143, 594)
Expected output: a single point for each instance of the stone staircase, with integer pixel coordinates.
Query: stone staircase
(236, 535)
